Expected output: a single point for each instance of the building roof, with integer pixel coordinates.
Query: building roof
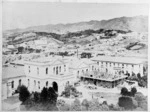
(44, 61)
(18, 62)
(12, 72)
(80, 63)
(129, 60)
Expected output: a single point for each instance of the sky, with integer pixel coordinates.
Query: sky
(26, 14)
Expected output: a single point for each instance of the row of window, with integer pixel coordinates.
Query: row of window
(111, 64)
(35, 83)
(12, 84)
(55, 70)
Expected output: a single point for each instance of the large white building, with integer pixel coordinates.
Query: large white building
(48, 72)
(116, 64)
(36, 74)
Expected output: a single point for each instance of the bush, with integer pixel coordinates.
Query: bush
(133, 91)
(64, 107)
(51, 95)
(126, 102)
(23, 93)
(141, 100)
(94, 105)
(76, 105)
(70, 91)
(44, 94)
(139, 76)
(124, 91)
(36, 96)
(85, 103)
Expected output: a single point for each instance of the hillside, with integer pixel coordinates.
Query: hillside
(137, 23)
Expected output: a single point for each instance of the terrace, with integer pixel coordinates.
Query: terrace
(103, 79)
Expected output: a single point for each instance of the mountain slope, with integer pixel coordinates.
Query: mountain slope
(137, 23)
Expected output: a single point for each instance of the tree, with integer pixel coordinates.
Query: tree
(126, 102)
(23, 93)
(85, 103)
(76, 105)
(20, 49)
(133, 91)
(139, 76)
(94, 105)
(141, 100)
(44, 94)
(36, 96)
(64, 107)
(51, 95)
(124, 91)
(104, 107)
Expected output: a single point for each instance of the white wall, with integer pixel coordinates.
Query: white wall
(136, 68)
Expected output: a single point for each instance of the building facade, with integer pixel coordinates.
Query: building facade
(125, 65)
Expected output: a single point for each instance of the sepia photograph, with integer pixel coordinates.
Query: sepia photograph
(69, 56)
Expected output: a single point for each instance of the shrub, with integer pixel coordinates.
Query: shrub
(115, 107)
(76, 105)
(124, 91)
(94, 105)
(36, 96)
(126, 102)
(85, 103)
(23, 93)
(44, 93)
(70, 90)
(141, 100)
(133, 91)
(51, 95)
(104, 107)
(64, 107)
(139, 76)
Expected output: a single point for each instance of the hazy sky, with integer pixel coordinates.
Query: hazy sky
(25, 14)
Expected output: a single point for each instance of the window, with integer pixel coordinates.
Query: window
(46, 83)
(92, 67)
(34, 83)
(12, 84)
(64, 67)
(29, 68)
(86, 70)
(37, 70)
(54, 70)
(60, 69)
(20, 82)
(39, 84)
(46, 70)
